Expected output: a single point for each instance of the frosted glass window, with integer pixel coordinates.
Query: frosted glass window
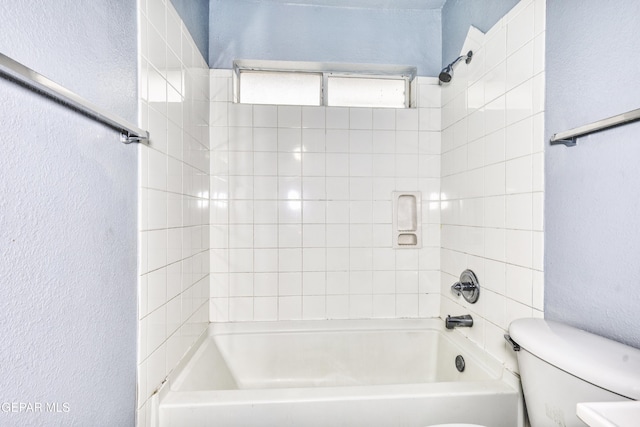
(280, 88)
(366, 92)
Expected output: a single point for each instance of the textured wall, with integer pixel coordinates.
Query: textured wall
(246, 29)
(68, 218)
(458, 15)
(195, 15)
(592, 199)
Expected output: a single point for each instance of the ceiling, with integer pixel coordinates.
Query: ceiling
(369, 4)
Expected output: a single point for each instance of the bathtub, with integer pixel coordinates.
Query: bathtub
(338, 373)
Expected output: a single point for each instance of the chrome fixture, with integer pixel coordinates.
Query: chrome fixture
(468, 287)
(568, 138)
(25, 76)
(447, 72)
(514, 345)
(458, 321)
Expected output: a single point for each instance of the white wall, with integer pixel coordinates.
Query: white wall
(174, 197)
(492, 176)
(301, 209)
(369, 32)
(68, 218)
(592, 199)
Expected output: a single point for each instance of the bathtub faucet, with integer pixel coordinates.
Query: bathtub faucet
(458, 321)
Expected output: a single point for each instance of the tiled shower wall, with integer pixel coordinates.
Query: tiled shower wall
(174, 196)
(301, 209)
(492, 176)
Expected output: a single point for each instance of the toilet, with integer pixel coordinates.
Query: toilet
(561, 366)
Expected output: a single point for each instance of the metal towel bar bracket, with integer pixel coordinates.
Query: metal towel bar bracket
(568, 138)
(15, 71)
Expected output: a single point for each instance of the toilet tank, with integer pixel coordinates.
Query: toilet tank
(561, 366)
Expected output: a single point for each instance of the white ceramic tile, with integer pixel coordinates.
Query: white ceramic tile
(520, 66)
(520, 29)
(313, 164)
(519, 175)
(240, 115)
(266, 212)
(265, 139)
(313, 117)
(495, 179)
(290, 140)
(265, 308)
(314, 259)
(289, 164)
(384, 306)
(384, 119)
(337, 141)
(290, 307)
(289, 235)
(313, 212)
(289, 116)
(337, 118)
(265, 116)
(360, 141)
(313, 140)
(519, 139)
(313, 307)
(519, 211)
(360, 118)
(407, 119)
(314, 235)
(240, 309)
(337, 259)
(290, 260)
(407, 305)
(495, 244)
(519, 247)
(337, 306)
(265, 284)
(360, 306)
(383, 141)
(314, 188)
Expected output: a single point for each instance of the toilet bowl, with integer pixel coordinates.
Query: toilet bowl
(561, 366)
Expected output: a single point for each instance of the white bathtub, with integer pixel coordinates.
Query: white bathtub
(338, 373)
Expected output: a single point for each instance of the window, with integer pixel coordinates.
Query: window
(284, 88)
(366, 92)
(304, 83)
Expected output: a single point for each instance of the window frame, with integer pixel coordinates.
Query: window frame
(327, 70)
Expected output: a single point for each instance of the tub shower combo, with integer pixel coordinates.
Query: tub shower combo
(392, 372)
(409, 372)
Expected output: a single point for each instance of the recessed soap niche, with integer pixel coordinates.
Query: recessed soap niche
(407, 219)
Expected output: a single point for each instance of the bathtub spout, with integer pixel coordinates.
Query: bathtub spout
(458, 321)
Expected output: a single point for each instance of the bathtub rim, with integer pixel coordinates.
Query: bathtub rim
(495, 369)
(506, 381)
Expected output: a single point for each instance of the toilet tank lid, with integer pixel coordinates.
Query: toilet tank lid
(603, 362)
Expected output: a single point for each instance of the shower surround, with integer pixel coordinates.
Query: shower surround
(287, 213)
(174, 197)
(301, 208)
(301, 196)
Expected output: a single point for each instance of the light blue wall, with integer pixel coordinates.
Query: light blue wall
(592, 212)
(272, 30)
(195, 15)
(68, 217)
(458, 15)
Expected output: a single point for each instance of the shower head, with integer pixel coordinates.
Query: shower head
(447, 72)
